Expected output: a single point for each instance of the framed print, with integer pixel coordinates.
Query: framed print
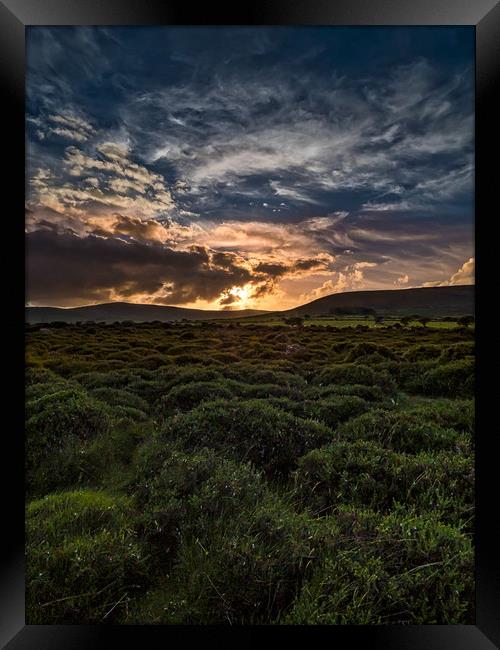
(248, 285)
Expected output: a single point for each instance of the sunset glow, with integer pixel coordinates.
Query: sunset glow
(230, 168)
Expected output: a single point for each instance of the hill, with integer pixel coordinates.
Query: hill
(121, 311)
(424, 301)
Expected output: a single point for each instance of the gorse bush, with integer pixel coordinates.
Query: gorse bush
(245, 473)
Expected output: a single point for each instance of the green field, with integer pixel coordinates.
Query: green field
(273, 321)
(250, 473)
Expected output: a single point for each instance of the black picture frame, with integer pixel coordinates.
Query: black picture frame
(15, 15)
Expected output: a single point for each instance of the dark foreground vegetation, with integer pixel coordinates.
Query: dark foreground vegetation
(225, 474)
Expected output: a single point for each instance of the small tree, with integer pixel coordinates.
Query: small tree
(295, 321)
(424, 320)
(405, 321)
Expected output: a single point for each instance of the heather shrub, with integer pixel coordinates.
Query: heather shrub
(242, 473)
(248, 430)
(120, 397)
(244, 572)
(371, 352)
(454, 379)
(179, 492)
(399, 430)
(458, 414)
(83, 556)
(57, 427)
(184, 397)
(365, 474)
(352, 373)
(335, 409)
(405, 569)
(367, 393)
(458, 351)
(422, 352)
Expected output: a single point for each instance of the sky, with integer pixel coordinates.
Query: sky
(246, 167)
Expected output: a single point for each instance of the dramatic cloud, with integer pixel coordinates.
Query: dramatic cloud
(259, 167)
(350, 279)
(464, 275)
(69, 269)
(66, 268)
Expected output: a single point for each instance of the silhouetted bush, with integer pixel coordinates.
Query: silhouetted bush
(458, 351)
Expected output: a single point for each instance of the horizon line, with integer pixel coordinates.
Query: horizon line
(148, 304)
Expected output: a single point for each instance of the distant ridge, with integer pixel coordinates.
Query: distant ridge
(122, 311)
(425, 301)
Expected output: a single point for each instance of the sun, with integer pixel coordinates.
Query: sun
(240, 295)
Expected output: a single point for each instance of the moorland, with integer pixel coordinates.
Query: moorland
(288, 471)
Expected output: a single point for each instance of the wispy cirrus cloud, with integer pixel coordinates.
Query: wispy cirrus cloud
(314, 164)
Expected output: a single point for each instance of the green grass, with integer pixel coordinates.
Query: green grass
(253, 473)
(343, 321)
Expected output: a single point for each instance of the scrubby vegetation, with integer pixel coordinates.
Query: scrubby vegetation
(216, 473)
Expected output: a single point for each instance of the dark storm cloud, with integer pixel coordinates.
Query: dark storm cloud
(63, 266)
(274, 270)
